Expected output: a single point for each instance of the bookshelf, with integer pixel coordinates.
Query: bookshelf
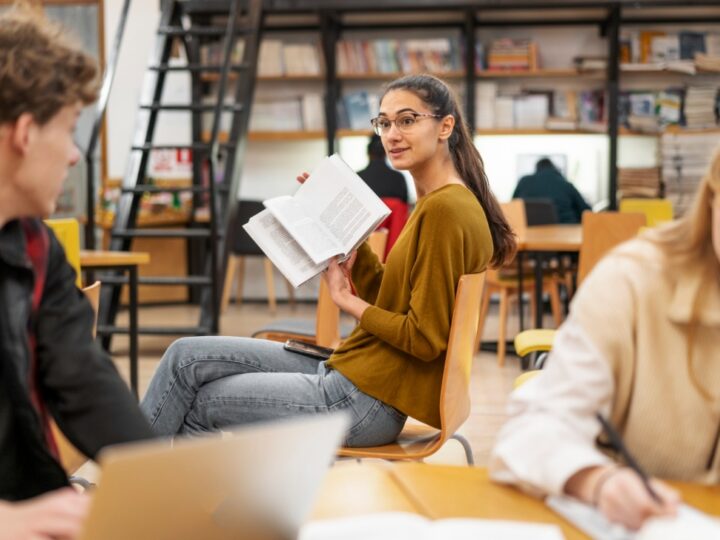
(594, 29)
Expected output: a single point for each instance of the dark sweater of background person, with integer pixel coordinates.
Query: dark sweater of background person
(549, 183)
(383, 180)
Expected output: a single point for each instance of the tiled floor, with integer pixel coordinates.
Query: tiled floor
(490, 383)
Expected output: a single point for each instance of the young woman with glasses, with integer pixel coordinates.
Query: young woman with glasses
(391, 366)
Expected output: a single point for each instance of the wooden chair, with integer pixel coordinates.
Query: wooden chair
(506, 285)
(327, 330)
(601, 232)
(417, 442)
(244, 246)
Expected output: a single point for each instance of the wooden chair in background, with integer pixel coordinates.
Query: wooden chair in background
(601, 232)
(416, 442)
(504, 283)
(327, 329)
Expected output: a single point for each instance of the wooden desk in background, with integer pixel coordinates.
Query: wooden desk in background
(536, 241)
(438, 492)
(124, 261)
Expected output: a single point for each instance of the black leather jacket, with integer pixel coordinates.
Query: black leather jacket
(78, 381)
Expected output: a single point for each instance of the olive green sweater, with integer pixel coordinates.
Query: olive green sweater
(397, 352)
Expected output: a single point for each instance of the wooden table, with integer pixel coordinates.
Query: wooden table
(536, 241)
(125, 261)
(439, 492)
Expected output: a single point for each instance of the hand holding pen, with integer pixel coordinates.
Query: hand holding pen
(626, 494)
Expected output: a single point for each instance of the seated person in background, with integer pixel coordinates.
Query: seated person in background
(383, 180)
(50, 365)
(548, 183)
(642, 347)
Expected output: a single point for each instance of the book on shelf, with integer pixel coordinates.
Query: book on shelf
(408, 526)
(590, 63)
(392, 56)
(531, 110)
(639, 182)
(329, 216)
(270, 58)
(559, 123)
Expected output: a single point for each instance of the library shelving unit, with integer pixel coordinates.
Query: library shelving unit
(472, 21)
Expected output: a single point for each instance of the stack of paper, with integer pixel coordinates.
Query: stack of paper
(405, 526)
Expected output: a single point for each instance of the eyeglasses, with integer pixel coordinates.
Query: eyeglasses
(404, 122)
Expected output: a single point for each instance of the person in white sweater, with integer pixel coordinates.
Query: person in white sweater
(642, 347)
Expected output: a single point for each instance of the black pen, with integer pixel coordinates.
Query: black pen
(617, 443)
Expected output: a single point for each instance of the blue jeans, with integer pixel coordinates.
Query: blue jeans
(210, 383)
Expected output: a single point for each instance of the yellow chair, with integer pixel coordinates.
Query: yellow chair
(417, 442)
(67, 231)
(601, 232)
(656, 211)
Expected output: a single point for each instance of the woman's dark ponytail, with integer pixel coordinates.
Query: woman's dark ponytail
(466, 158)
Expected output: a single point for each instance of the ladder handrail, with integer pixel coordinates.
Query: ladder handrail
(100, 108)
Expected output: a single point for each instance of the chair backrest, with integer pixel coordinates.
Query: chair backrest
(514, 212)
(92, 293)
(241, 242)
(540, 212)
(602, 231)
(455, 389)
(656, 211)
(327, 320)
(67, 231)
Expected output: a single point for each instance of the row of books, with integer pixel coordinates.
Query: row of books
(511, 55)
(649, 46)
(561, 110)
(639, 182)
(685, 159)
(278, 58)
(657, 50)
(695, 107)
(438, 55)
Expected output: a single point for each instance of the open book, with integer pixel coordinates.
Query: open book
(406, 526)
(331, 214)
(689, 523)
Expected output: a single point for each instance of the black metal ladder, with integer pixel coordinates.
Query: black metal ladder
(216, 167)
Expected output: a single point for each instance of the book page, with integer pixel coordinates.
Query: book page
(689, 523)
(315, 239)
(333, 211)
(281, 248)
(405, 526)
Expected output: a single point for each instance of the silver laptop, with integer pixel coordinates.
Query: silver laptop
(258, 482)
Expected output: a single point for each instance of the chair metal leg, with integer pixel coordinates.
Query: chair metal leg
(466, 446)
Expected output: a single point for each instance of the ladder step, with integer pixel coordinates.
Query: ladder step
(104, 329)
(158, 280)
(198, 31)
(209, 7)
(193, 107)
(162, 233)
(221, 188)
(197, 67)
(198, 147)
